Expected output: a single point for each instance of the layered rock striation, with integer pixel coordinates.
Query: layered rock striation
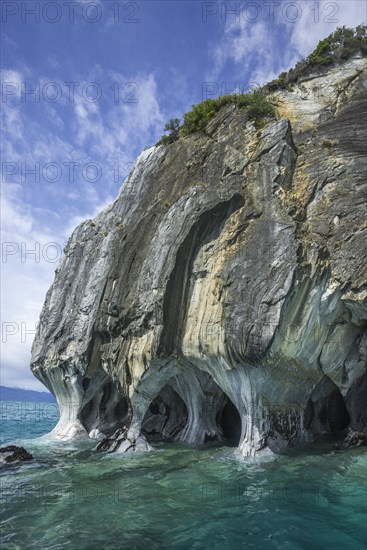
(223, 294)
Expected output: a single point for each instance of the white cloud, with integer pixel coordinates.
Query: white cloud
(27, 271)
(314, 26)
(125, 124)
(35, 215)
(254, 47)
(30, 255)
(251, 47)
(12, 81)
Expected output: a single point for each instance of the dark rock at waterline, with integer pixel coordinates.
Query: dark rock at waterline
(109, 444)
(12, 454)
(121, 442)
(352, 439)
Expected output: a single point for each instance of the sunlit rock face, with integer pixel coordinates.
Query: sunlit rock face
(223, 294)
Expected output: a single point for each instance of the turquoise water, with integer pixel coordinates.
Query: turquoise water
(177, 497)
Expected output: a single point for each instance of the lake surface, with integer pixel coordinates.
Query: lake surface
(176, 497)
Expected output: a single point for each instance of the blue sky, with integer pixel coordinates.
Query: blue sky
(107, 76)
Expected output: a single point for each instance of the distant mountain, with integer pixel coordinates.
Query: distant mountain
(19, 394)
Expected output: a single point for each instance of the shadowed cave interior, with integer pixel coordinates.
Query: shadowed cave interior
(106, 411)
(166, 416)
(168, 419)
(209, 414)
(230, 422)
(326, 411)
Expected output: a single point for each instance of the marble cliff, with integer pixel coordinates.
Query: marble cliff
(223, 294)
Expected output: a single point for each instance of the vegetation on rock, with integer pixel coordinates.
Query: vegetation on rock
(338, 46)
(255, 103)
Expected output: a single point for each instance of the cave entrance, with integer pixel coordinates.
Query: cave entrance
(107, 411)
(166, 416)
(326, 411)
(229, 423)
(356, 400)
(192, 408)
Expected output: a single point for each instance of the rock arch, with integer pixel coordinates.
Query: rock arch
(105, 412)
(166, 416)
(189, 407)
(326, 411)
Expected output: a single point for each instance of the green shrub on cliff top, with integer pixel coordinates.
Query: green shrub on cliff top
(196, 119)
(172, 127)
(340, 45)
(255, 103)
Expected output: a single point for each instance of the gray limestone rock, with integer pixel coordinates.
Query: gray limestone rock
(223, 294)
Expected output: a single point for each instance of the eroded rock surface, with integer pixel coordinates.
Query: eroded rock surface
(352, 439)
(12, 454)
(223, 294)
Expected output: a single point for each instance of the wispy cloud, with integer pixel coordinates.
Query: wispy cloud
(264, 48)
(28, 260)
(37, 213)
